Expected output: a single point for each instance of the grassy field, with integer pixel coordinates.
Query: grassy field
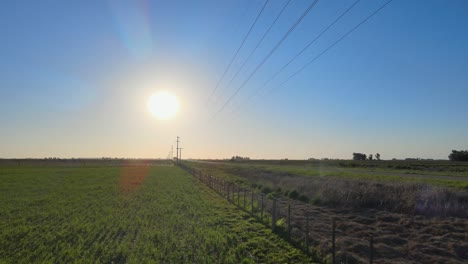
(411, 220)
(442, 173)
(126, 214)
(420, 187)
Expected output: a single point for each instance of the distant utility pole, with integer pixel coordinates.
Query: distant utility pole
(177, 149)
(172, 152)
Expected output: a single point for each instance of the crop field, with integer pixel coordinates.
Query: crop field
(127, 213)
(411, 219)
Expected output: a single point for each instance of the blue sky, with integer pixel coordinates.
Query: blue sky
(75, 77)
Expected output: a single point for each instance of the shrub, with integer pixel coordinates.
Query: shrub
(294, 194)
(266, 190)
(303, 198)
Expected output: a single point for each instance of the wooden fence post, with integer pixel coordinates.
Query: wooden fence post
(245, 192)
(261, 213)
(252, 202)
(371, 250)
(289, 221)
(238, 196)
(233, 188)
(333, 242)
(307, 234)
(273, 215)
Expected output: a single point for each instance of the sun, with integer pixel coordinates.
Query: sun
(163, 105)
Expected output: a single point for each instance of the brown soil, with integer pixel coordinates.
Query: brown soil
(398, 238)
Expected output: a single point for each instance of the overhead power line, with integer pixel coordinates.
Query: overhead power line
(336, 42)
(285, 36)
(329, 47)
(238, 49)
(300, 52)
(258, 44)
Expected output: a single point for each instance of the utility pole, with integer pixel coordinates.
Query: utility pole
(177, 149)
(172, 152)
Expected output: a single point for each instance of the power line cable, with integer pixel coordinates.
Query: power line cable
(302, 51)
(285, 36)
(258, 44)
(238, 49)
(336, 42)
(329, 47)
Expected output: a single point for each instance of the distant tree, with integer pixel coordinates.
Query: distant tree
(456, 155)
(239, 158)
(359, 156)
(371, 157)
(377, 156)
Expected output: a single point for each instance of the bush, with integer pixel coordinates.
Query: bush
(294, 194)
(303, 198)
(266, 190)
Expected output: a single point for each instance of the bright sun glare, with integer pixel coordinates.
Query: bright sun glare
(163, 105)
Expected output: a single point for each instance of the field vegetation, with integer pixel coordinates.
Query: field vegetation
(134, 212)
(418, 187)
(421, 219)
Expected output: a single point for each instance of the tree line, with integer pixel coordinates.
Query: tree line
(458, 155)
(361, 156)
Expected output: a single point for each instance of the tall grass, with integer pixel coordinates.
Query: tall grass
(354, 193)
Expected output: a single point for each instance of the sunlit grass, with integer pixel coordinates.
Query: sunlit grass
(66, 215)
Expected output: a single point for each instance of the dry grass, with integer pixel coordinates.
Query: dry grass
(410, 222)
(398, 197)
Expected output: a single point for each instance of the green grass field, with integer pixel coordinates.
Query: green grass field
(138, 214)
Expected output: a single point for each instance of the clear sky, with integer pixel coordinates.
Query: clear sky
(75, 77)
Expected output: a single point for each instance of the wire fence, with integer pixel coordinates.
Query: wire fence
(292, 221)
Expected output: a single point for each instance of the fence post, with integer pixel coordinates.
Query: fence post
(371, 250)
(238, 196)
(252, 202)
(233, 188)
(307, 234)
(245, 192)
(273, 216)
(333, 241)
(289, 221)
(261, 214)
